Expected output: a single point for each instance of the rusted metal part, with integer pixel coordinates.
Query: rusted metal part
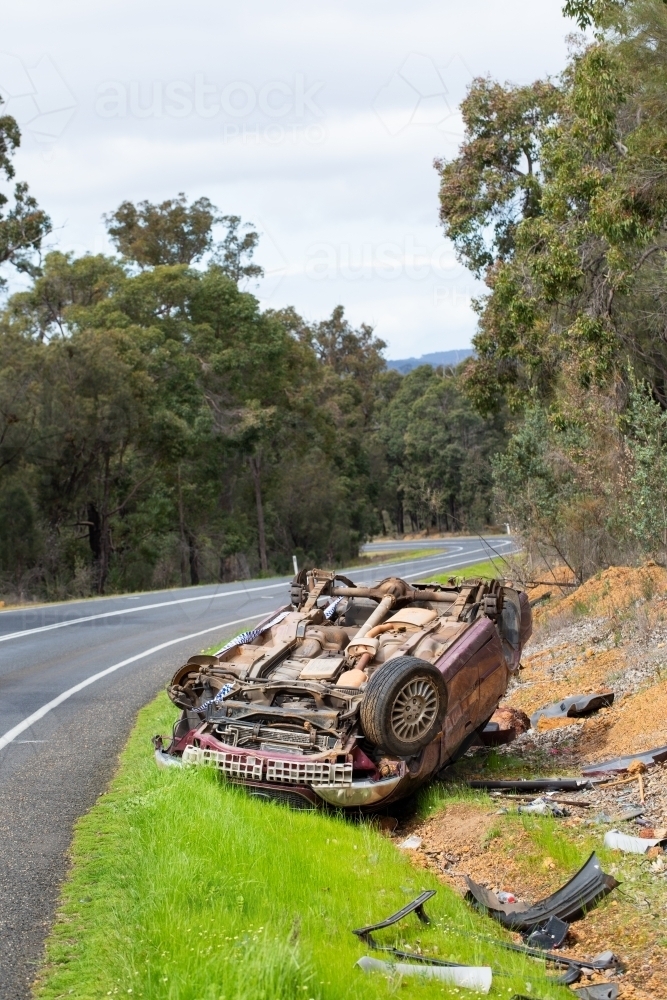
(439, 596)
(295, 697)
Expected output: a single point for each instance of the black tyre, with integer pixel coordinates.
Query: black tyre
(403, 705)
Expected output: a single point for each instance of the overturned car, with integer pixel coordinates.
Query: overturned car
(351, 696)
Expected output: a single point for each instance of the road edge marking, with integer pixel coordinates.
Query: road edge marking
(30, 720)
(131, 611)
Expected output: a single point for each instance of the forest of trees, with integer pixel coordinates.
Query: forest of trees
(158, 428)
(558, 199)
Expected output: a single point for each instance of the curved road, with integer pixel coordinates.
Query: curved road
(72, 678)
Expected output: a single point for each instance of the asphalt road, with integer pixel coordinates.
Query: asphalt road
(72, 678)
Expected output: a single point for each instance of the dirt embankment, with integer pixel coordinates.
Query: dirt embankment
(610, 634)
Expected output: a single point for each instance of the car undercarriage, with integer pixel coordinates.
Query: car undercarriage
(351, 696)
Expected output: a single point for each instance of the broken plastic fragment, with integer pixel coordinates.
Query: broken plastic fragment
(618, 841)
(542, 807)
(551, 935)
(600, 991)
(533, 784)
(469, 976)
(411, 843)
(163, 759)
(573, 707)
(620, 764)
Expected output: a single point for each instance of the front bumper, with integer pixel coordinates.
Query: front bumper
(337, 788)
(358, 793)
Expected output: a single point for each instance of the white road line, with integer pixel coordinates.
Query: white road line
(132, 611)
(45, 709)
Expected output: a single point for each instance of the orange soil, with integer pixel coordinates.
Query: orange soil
(633, 723)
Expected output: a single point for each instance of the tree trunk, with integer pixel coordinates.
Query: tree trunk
(94, 532)
(99, 538)
(194, 557)
(181, 525)
(255, 468)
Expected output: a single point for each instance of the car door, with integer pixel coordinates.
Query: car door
(493, 677)
(460, 671)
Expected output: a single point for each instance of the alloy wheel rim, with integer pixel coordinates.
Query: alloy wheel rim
(415, 709)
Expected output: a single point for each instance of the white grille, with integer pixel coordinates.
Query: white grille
(303, 772)
(287, 772)
(236, 765)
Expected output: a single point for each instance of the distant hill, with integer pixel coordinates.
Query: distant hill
(405, 365)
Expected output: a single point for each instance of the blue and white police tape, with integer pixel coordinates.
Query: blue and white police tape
(246, 637)
(331, 608)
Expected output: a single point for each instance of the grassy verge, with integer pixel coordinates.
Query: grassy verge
(183, 888)
(488, 568)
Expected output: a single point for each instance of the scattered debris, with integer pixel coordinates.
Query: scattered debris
(570, 902)
(493, 736)
(618, 841)
(504, 726)
(509, 797)
(507, 897)
(573, 707)
(543, 807)
(470, 977)
(164, 760)
(632, 813)
(620, 765)
(574, 967)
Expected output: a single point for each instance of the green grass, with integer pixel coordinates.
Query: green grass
(184, 888)
(489, 568)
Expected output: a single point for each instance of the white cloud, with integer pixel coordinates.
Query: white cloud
(372, 92)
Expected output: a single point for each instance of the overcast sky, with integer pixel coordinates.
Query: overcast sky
(316, 121)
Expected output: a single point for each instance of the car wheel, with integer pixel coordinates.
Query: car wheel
(403, 705)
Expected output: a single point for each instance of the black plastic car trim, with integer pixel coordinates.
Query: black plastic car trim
(416, 906)
(534, 784)
(584, 890)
